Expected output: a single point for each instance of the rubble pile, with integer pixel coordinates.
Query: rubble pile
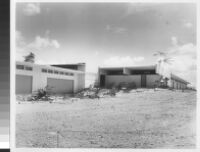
(95, 93)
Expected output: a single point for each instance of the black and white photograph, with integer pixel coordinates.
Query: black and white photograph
(105, 75)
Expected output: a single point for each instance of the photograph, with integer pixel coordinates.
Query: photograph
(105, 75)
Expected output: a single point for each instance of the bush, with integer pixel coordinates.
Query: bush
(41, 94)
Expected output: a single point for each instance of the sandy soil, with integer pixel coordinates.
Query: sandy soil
(161, 119)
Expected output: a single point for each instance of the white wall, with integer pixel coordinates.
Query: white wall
(123, 78)
(177, 85)
(79, 82)
(40, 78)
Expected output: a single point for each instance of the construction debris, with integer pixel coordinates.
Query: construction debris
(91, 93)
(95, 93)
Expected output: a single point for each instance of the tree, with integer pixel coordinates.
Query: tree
(30, 58)
(163, 61)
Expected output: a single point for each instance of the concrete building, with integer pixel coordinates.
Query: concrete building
(142, 76)
(61, 79)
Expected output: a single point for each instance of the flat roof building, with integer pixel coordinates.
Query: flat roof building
(31, 77)
(142, 76)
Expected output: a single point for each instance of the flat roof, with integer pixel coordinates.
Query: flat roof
(69, 64)
(48, 66)
(149, 67)
(173, 76)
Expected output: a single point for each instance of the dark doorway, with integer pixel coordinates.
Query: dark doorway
(143, 81)
(102, 80)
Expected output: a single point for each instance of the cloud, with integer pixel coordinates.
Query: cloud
(44, 42)
(116, 30)
(133, 8)
(174, 40)
(122, 61)
(39, 44)
(32, 9)
(120, 30)
(19, 39)
(188, 25)
(184, 61)
(96, 53)
(20, 46)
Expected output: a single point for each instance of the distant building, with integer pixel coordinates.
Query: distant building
(142, 76)
(60, 78)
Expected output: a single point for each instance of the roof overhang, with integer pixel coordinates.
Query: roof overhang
(175, 77)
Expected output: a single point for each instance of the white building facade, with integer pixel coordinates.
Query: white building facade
(142, 76)
(31, 77)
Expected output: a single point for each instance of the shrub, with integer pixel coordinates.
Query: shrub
(43, 93)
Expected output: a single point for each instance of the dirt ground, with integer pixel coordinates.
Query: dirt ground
(146, 119)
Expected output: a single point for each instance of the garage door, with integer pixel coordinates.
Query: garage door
(60, 85)
(23, 84)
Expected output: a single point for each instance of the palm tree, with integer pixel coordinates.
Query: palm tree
(30, 58)
(163, 61)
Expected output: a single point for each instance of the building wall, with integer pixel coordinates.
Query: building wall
(39, 79)
(60, 85)
(123, 78)
(177, 84)
(129, 76)
(151, 79)
(80, 82)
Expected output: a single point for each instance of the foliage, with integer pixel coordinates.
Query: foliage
(30, 58)
(42, 94)
(162, 83)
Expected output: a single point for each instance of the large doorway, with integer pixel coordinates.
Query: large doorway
(23, 84)
(60, 85)
(102, 80)
(143, 80)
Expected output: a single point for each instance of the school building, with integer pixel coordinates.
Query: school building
(142, 76)
(61, 78)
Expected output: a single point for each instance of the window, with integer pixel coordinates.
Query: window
(21, 67)
(61, 73)
(50, 71)
(44, 70)
(71, 74)
(66, 73)
(56, 72)
(29, 68)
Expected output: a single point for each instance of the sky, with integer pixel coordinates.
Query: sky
(109, 34)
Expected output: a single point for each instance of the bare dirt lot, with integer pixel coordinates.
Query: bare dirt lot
(147, 119)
